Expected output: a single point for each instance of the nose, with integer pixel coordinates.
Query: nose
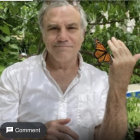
(62, 35)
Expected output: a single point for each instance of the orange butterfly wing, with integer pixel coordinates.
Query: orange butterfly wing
(98, 53)
(101, 53)
(100, 46)
(107, 58)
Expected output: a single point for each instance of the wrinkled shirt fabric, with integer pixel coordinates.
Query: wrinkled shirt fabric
(28, 93)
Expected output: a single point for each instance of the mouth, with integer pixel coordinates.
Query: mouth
(63, 45)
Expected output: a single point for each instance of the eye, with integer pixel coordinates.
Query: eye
(53, 28)
(72, 28)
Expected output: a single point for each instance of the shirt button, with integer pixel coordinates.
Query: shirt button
(63, 99)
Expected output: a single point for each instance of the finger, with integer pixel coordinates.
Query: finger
(126, 50)
(57, 133)
(121, 43)
(122, 50)
(60, 135)
(67, 137)
(112, 47)
(115, 42)
(68, 131)
(63, 121)
(137, 57)
(50, 137)
(54, 123)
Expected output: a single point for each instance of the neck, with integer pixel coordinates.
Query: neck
(61, 64)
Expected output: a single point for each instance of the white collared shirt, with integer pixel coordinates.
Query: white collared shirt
(29, 93)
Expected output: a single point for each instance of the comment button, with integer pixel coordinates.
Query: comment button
(23, 130)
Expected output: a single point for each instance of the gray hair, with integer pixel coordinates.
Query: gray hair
(58, 3)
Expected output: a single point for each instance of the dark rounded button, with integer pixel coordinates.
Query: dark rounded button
(23, 130)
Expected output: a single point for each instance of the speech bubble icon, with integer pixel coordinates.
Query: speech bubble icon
(9, 129)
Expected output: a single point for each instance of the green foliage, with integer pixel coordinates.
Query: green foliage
(19, 31)
(110, 18)
(133, 111)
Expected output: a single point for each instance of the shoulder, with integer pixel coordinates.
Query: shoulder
(29, 62)
(24, 66)
(93, 71)
(96, 78)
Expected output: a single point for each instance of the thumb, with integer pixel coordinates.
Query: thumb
(137, 57)
(63, 121)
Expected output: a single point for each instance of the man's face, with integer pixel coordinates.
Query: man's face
(62, 32)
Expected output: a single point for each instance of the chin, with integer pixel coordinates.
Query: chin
(64, 56)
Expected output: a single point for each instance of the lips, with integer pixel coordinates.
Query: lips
(62, 45)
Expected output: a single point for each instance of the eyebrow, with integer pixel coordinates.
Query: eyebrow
(72, 24)
(52, 25)
(56, 25)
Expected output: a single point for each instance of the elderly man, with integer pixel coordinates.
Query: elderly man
(72, 98)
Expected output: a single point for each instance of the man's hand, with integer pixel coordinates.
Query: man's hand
(114, 125)
(57, 130)
(123, 63)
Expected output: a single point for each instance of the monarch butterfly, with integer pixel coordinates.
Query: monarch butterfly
(101, 53)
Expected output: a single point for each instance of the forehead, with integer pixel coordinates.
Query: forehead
(62, 14)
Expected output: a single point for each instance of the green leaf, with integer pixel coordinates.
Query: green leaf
(14, 46)
(5, 39)
(5, 29)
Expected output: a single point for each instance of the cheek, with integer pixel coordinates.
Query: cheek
(47, 39)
